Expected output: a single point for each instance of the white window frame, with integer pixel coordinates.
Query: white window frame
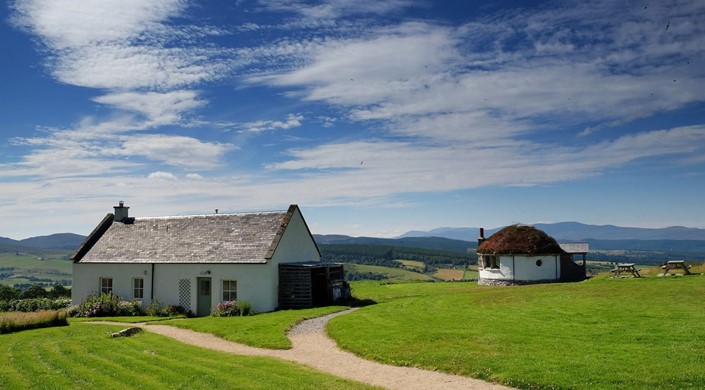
(105, 285)
(229, 293)
(136, 288)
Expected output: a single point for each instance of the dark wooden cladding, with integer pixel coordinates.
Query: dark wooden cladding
(305, 285)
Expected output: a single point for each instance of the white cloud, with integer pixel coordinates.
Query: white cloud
(383, 168)
(159, 175)
(292, 120)
(123, 66)
(66, 24)
(338, 8)
(159, 108)
(175, 150)
(392, 62)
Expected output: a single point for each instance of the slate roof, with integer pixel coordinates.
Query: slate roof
(575, 247)
(520, 239)
(215, 238)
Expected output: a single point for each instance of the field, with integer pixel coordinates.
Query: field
(82, 356)
(389, 273)
(418, 266)
(27, 269)
(602, 333)
(400, 274)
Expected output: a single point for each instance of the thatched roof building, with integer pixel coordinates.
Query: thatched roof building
(519, 239)
(521, 254)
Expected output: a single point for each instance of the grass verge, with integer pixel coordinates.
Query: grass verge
(603, 333)
(123, 319)
(267, 330)
(81, 356)
(17, 321)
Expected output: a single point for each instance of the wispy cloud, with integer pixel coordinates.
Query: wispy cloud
(158, 108)
(337, 8)
(175, 150)
(474, 95)
(141, 62)
(292, 120)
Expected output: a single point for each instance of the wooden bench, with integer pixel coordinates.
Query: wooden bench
(675, 265)
(626, 268)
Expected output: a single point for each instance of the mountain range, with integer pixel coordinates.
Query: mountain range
(59, 241)
(455, 239)
(574, 231)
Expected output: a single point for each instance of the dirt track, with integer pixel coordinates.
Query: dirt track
(313, 348)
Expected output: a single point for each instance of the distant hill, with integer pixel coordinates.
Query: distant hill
(55, 241)
(59, 241)
(575, 231)
(434, 243)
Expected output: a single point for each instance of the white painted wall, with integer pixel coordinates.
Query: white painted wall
(256, 283)
(86, 280)
(524, 268)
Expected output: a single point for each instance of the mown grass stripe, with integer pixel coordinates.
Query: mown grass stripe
(82, 356)
(118, 366)
(84, 365)
(11, 377)
(30, 362)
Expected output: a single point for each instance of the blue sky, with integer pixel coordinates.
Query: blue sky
(375, 117)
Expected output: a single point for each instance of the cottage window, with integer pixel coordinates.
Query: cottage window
(106, 285)
(138, 288)
(489, 261)
(229, 290)
(482, 261)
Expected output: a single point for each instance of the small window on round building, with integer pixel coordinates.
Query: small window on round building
(539, 262)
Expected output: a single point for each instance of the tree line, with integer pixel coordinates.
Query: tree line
(384, 255)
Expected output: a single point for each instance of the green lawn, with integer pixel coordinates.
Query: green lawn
(267, 330)
(602, 333)
(81, 356)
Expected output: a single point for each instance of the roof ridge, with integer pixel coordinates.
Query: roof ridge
(212, 215)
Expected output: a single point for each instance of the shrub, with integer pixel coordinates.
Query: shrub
(245, 308)
(36, 291)
(13, 322)
(36, 304)
(59, 291)
(156, 309)
(8, 293)
(232, 309)
(107, 305)
(175, 310)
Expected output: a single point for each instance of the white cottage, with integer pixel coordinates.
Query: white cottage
(520, 254)
(192, 261)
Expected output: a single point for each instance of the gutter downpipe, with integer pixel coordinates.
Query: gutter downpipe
(555, 258)
(151, 292)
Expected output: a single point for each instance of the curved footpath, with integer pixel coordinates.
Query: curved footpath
(312, 347)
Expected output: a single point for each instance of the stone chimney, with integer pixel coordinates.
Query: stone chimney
(121, 212)
(481, 239)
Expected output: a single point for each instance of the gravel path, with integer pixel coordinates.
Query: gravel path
(312, 347)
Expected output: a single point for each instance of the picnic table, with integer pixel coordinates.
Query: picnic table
(675, 265)
(626, 268)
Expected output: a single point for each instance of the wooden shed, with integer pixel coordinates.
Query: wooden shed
(311, 284)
